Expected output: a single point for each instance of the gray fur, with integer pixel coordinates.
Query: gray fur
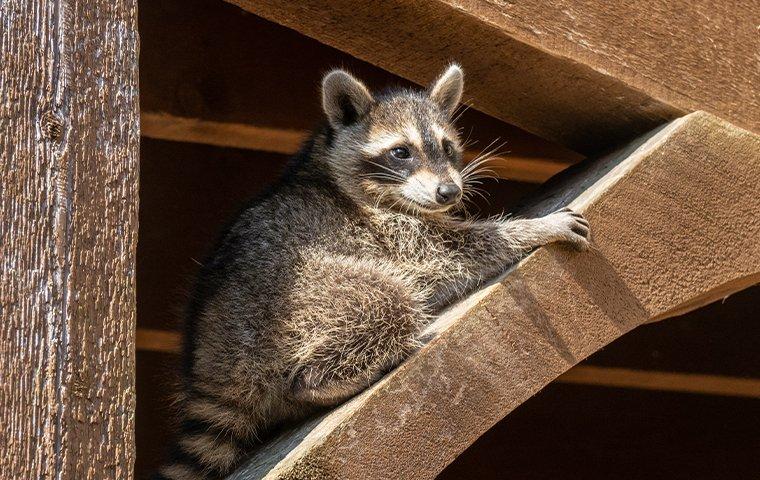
(324, 284)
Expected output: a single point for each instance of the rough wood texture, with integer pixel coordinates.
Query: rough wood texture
(69, 145)
(675, 225)
(587, 74)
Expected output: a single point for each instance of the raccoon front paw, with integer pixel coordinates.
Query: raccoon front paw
(570, 227)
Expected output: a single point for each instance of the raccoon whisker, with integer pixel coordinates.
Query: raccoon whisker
(481, 193)
(398, 199)
(489, 146)
(492, 147)
(471, 183)
(382, 176)
(463, 107)
(477, 161)
(380, 198)
(480, 171)
(480, 175)
(389, 170)
(477, 165)
(474, 167)
(486, 156)
(471, 189)
(468, 141)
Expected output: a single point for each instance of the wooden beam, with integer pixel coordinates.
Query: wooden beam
(69, 162)
(221, 134)
(585, 74)
(662, 381)
(166, 341)
(673, 218)
(277, 140)
(160, 341)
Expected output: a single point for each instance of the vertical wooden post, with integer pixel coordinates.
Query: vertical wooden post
(69, 147)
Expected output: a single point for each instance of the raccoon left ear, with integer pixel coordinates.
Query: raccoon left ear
(344, 98)
(446, 91)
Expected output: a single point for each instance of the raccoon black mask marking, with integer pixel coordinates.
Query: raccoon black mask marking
(324, 284)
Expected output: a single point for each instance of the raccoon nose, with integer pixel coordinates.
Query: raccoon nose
(447, 193)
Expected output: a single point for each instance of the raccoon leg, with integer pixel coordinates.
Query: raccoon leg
(522, 235)
(355, 319)
(487, 248)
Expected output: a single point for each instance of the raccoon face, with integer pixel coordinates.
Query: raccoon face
(398, 149)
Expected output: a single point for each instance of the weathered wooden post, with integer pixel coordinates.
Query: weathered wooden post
(69, 146)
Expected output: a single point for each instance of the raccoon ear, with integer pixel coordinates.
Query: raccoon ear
(344, 98)
(446, 91)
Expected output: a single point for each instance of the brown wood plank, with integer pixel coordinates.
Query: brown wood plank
(163, 126)
(586, 74)
(69, 146)
(673, 220)
(154, 340)
(662, 381)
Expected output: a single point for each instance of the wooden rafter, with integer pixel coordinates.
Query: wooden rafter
(585, 74)
(278, 140)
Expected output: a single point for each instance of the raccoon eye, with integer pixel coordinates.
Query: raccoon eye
(448, 148)
(402, 153)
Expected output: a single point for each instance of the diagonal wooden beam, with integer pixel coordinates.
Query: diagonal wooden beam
(163, 126)
(675, 225)
(585, 74)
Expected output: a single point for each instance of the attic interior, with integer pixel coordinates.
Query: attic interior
(242, 81)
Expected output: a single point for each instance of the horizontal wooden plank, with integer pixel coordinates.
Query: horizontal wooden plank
(221, 134)
(285, 141)
(586, 74)
(154, 340)
(664, 381)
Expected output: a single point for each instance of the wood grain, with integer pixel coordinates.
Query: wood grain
(586, 74)
(69, 146)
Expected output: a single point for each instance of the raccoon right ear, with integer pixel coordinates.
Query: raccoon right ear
(344, 98)
(446, 91)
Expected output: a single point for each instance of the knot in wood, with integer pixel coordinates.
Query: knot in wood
(52, 125)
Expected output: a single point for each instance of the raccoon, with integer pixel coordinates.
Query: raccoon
(323, 284)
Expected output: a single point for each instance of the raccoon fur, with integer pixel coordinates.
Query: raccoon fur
(324, 284)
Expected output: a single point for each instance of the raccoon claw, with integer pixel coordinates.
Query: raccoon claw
(570, 227)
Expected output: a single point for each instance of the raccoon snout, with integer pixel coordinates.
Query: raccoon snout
(448, 193)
